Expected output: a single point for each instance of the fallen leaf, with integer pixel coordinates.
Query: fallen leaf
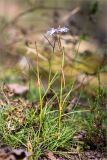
(17, 88)
(51, 156)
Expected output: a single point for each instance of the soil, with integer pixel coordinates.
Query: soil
(88, 155)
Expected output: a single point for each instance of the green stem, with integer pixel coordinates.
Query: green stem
(40, 94)
(62, 83)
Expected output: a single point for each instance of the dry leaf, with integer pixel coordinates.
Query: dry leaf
(17, 88)
(51, 156)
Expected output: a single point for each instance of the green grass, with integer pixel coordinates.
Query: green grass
(46, 136)
(49, 138)
(46, 127)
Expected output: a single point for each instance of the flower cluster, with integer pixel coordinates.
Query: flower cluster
(58, 30)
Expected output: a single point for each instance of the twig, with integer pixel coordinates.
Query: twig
(73, 12)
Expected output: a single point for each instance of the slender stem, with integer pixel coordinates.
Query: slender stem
(40, 94)
(62, 83)
(60, 106)
(99, 85)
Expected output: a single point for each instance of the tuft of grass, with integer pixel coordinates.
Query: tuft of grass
(71, 124)
(45, 128)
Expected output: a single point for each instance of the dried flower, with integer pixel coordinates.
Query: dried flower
(58, 30)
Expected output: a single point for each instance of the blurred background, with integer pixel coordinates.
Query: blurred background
(24, 22)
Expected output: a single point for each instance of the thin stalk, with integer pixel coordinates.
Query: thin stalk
(60, 106)
(62, 84)
(40, 93)
(49, 85)
(99, 84)
(49, 79)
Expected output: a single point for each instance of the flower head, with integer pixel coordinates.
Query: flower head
(58, 30)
